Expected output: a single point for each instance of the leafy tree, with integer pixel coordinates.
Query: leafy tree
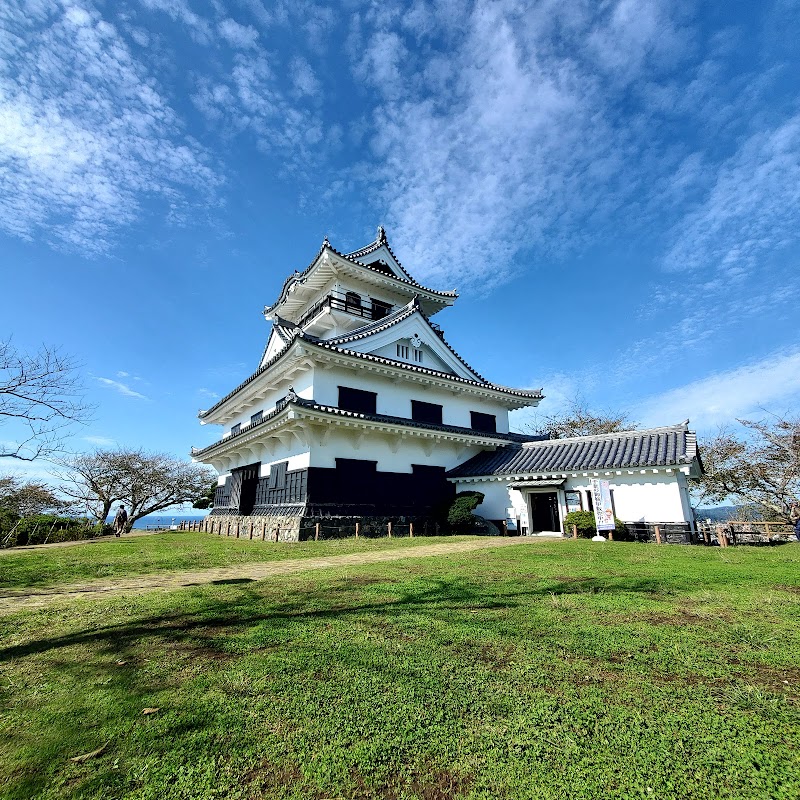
(42, 395)
(142, 481)
(758, 466)
(579, 420)
(207, 500)
(26, 498)
(460, 515)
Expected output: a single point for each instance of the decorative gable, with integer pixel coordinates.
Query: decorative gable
(409, 338)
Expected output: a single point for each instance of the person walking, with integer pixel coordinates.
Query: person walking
(794, 517)
(120, 521)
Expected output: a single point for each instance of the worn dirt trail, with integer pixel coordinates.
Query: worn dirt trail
(12, 600)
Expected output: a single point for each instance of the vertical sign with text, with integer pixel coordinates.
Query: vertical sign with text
(603, 509)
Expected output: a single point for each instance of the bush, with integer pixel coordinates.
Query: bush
(41, 528)
(460, 516)
(584, 520)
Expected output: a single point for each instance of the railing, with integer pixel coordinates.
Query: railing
(350, 305)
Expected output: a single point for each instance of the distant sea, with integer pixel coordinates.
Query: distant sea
(163, 521)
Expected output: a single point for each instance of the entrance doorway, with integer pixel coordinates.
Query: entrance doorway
(544, 512)
(244, 482)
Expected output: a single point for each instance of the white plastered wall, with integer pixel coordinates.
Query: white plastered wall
(394, 398)
(650, 497)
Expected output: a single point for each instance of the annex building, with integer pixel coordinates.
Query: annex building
(361, 409)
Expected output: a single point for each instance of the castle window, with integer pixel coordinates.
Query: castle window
(256, 417)
(486, 423)
(352, 302)
(357, 400)
(380, 309)
(277, 475)
(418, 356)
(426, 412)
(236, 428)
(402, 351)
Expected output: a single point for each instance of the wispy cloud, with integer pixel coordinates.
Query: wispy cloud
(208, 394)
(120, 387)
(242, 37)
(100, 441)
(771, 383)
(86, 137)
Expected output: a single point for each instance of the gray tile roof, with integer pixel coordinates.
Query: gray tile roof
(334, 411)
(657, 447)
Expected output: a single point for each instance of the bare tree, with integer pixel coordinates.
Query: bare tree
(25, 498)
(43, 395)
(760, 467)
(94, 481)
(145, 482)
(579, 420)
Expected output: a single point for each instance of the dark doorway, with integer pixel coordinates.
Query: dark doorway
(544, 512)
(244, 482)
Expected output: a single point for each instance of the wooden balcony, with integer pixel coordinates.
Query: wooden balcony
(350, 303)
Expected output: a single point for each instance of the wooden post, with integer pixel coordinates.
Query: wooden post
(611, 535)
(358, 525)
(316, 532)
(706, 536)
(389, 525)
(251, 530)
(410, 530)
(658, 534)
(574, 531)
(228, 528)
(263, 530)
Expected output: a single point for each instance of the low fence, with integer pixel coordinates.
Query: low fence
(736, 531)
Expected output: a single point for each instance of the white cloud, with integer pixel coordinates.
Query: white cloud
(121, 374)
(772, 383)
(240, 36)
(120, 387)
(303, 77)
(180, 11)
(100, 441)
(208, 394)
(750, 210)
(85, 135)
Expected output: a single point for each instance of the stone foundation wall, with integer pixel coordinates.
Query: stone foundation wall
(262, 529)
(302, 528)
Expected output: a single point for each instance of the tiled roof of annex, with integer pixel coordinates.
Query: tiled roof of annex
(657, 447)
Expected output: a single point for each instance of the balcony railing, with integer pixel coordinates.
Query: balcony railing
(351, 304)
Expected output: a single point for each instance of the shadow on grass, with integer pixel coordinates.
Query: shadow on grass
(325, 604)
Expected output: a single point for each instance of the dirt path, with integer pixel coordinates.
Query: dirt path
(12, 600)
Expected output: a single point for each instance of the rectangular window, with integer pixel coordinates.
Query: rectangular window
(357, 400)
(256, 417)
(277, 475)
(380, 309)
(418, 356)
(236, 428)
(426, 412)
(402, 351)
(573, 501)
(483, 422)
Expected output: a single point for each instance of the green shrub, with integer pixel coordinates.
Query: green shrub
(584, 520)
(47, 528)
(460, 516)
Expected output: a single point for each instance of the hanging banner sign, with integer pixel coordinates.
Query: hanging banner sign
(603, 510)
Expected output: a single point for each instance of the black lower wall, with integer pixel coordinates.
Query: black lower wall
(354, 488)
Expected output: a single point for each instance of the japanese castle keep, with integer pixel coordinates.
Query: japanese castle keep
(361, 409)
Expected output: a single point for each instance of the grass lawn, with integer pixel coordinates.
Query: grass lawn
(176, 550)
(554, 670)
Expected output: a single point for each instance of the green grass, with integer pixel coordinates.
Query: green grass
(124, 557)
(555, 670)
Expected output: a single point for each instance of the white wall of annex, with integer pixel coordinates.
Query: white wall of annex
(394, 398)
(652, 497)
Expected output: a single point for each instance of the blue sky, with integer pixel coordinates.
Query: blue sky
(613, 187)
